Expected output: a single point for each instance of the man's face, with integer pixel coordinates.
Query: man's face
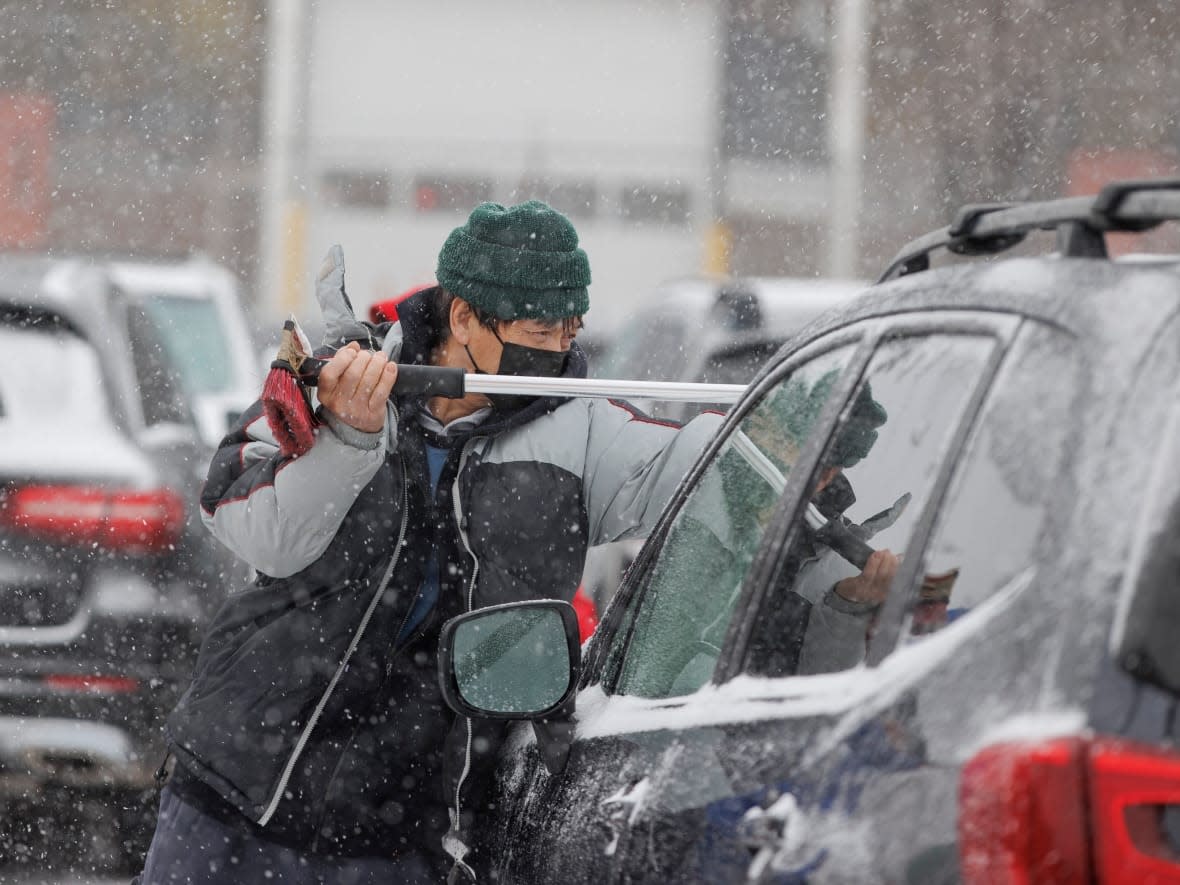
(552, 335)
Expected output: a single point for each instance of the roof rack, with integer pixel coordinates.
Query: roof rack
(1081, 223)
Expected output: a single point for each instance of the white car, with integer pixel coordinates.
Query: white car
(197, 310)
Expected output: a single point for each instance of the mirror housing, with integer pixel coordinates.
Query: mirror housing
(520, 660)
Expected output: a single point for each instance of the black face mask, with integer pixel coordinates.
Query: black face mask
(518, 360)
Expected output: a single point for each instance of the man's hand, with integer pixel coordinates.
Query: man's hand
(355, 385)
(872, 584)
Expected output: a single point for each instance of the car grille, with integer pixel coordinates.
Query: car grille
(37, 605)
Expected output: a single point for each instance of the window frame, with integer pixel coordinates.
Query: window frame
(1003, 329)
(604, 668)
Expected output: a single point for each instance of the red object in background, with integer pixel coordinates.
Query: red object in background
(426, 198)
(1067, 810)
(26, 123)
(587, 613)
(128, 521)
(386, 311)
(1088, 170)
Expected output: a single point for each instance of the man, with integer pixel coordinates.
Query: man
(313, 744)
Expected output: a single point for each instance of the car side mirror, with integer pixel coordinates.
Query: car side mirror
(516, 661)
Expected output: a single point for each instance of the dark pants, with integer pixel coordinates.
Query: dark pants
(191, 848)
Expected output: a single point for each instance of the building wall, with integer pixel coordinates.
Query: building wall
(608, 110)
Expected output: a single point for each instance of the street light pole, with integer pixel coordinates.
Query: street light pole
(846, 127)
(283, 209)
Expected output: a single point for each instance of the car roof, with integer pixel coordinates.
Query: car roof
(1079, 294)
(781, 299)
(194, 278)
(74, 288)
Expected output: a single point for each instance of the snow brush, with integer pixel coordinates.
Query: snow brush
(287, 403)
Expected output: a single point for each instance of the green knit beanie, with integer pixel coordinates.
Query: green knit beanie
(519, 262)
(796, 406)
(859, 432)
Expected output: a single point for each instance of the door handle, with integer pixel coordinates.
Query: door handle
(622, 809)
(778, 833)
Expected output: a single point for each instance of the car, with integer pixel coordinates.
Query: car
(697, 329)
(197, 310)
(714, 330)
(106, 573)
(994, 700)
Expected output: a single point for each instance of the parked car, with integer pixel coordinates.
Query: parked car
(703, 330)
(106, 574)
(1003, 710)
(196, 308)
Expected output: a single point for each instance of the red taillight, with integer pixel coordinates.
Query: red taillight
(1021, 814)
(1068, 810)
(1130, 786)
(118, 520)
(91, 684)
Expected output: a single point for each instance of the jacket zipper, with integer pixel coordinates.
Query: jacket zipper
(289, 769)
(455, 500)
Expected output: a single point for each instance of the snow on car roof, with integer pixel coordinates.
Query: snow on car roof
(189, 279)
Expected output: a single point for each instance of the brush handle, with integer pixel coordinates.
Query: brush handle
(836, 535)
(453, 382)
(412, 380)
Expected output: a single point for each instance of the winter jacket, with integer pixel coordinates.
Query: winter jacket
(305, 714)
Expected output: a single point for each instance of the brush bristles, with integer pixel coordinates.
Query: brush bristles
(287, 412)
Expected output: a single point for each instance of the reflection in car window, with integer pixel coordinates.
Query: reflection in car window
(194, 340)
(989, 529)
(684, 610)
(874, 480)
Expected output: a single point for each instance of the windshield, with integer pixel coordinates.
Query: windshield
(194, 340)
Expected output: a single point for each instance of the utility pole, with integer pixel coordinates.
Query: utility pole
(846, 128)
(284, 210)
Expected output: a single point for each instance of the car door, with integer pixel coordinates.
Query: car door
(726, 731)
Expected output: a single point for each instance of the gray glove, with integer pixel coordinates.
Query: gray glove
(340, 322)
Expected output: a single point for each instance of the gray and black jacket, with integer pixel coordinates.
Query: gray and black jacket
(305, 714)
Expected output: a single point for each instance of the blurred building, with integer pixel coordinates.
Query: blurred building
(681, 136)
(150, 113)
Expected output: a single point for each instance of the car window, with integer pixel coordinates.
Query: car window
(67, 386)
(680, 615)
(989, 529)
(873, 482)
(194, 340)
(159, 383)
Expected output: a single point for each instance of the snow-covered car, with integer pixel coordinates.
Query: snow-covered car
(106, 574)
(196, 308)
(1003, 709)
